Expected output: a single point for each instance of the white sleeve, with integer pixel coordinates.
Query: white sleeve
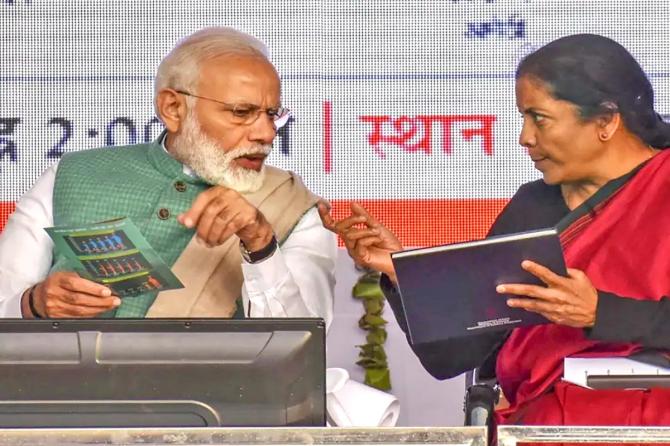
(25, 248)
(298, 280)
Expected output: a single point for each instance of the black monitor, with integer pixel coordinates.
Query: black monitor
(162, 373)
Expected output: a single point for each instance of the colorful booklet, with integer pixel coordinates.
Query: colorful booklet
(115, 254)
(450, 291)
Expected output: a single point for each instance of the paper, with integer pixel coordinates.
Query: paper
(353, 404)
(578, 370)
(115, 254)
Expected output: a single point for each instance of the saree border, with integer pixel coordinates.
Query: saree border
(572, 224)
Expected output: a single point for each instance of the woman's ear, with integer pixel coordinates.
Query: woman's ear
(171, 109)
(608, 122)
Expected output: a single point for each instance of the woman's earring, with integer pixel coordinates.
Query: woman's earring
(604, 136)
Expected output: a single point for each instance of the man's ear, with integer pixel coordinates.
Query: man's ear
(608, 122)
(171, 109)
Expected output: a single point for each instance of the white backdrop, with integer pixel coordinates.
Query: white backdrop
(406, 105)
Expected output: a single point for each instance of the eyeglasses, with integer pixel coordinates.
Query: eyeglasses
(247, 114)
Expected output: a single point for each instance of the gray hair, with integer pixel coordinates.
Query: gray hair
(180, 69)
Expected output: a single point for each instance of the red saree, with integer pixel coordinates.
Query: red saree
(621, 239)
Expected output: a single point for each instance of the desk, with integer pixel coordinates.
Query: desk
(470, 436)
(512, 435)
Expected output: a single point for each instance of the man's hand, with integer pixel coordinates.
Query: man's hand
(219, 212)
(67, 295)
(368, 242)
(570, 301)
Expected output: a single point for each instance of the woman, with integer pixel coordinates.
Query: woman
(590, 127)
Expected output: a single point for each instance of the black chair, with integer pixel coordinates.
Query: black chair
(481, 397)
(483, 393)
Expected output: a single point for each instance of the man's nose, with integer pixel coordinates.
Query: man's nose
(263, 130)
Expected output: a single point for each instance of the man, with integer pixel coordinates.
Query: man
(201, 195)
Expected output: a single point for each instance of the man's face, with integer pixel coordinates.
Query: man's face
(213, 140)
(243, 81)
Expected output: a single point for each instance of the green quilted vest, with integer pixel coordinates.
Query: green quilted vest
(141, 182)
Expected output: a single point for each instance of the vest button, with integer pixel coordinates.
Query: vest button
(180, 186)
(163, 213)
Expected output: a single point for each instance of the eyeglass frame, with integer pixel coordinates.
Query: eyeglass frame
(279, 119)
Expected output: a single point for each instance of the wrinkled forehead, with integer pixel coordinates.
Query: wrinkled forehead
(240, 77)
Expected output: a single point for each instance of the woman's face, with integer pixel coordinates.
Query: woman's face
(562, 146)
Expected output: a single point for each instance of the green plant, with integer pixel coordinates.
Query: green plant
(372, 356)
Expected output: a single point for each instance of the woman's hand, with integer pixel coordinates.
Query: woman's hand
(368, 242)
(570, 301)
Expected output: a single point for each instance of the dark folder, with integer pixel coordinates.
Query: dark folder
(449, 291)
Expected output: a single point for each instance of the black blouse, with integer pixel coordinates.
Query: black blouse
(537, 205)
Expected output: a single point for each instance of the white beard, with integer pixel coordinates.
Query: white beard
(212, 163)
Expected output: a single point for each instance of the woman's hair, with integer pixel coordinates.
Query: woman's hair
(180, 69)
(599, 76)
